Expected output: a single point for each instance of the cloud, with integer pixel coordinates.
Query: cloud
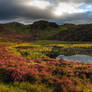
(16, 9)
(39, 3)
(76, 1)
(68, 8)
(60, 11)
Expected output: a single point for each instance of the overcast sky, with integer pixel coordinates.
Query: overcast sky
(59, 11)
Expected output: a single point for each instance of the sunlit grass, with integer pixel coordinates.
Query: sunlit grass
(40, 49)
(23, 87)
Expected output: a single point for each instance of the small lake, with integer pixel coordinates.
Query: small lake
(77, 57)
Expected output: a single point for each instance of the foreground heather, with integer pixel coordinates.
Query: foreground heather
(43, 75)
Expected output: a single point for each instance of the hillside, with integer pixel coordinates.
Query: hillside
(74, 33)
(44, 30)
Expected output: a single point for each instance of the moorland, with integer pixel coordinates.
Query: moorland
(28, 57)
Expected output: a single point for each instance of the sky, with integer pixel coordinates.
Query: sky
(59, 11)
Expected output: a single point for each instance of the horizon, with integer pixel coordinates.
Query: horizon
(42, 20)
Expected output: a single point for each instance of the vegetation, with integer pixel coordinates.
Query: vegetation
(28, 57)
(44, 30)
(32, 67)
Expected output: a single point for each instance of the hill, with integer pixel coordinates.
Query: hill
(74, 33)
(44, 30)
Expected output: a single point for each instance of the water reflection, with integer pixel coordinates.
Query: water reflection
(78, 57)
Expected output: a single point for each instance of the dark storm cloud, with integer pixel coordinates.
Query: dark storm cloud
(11, 9)
(17, 10)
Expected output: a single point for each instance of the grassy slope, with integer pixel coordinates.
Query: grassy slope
(67, 32)
(74, 33)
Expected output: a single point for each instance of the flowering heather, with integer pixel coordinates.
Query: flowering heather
(61, 76)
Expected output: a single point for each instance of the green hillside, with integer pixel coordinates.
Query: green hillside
(44, 30)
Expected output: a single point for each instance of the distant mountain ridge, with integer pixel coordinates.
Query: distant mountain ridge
(44, 30)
